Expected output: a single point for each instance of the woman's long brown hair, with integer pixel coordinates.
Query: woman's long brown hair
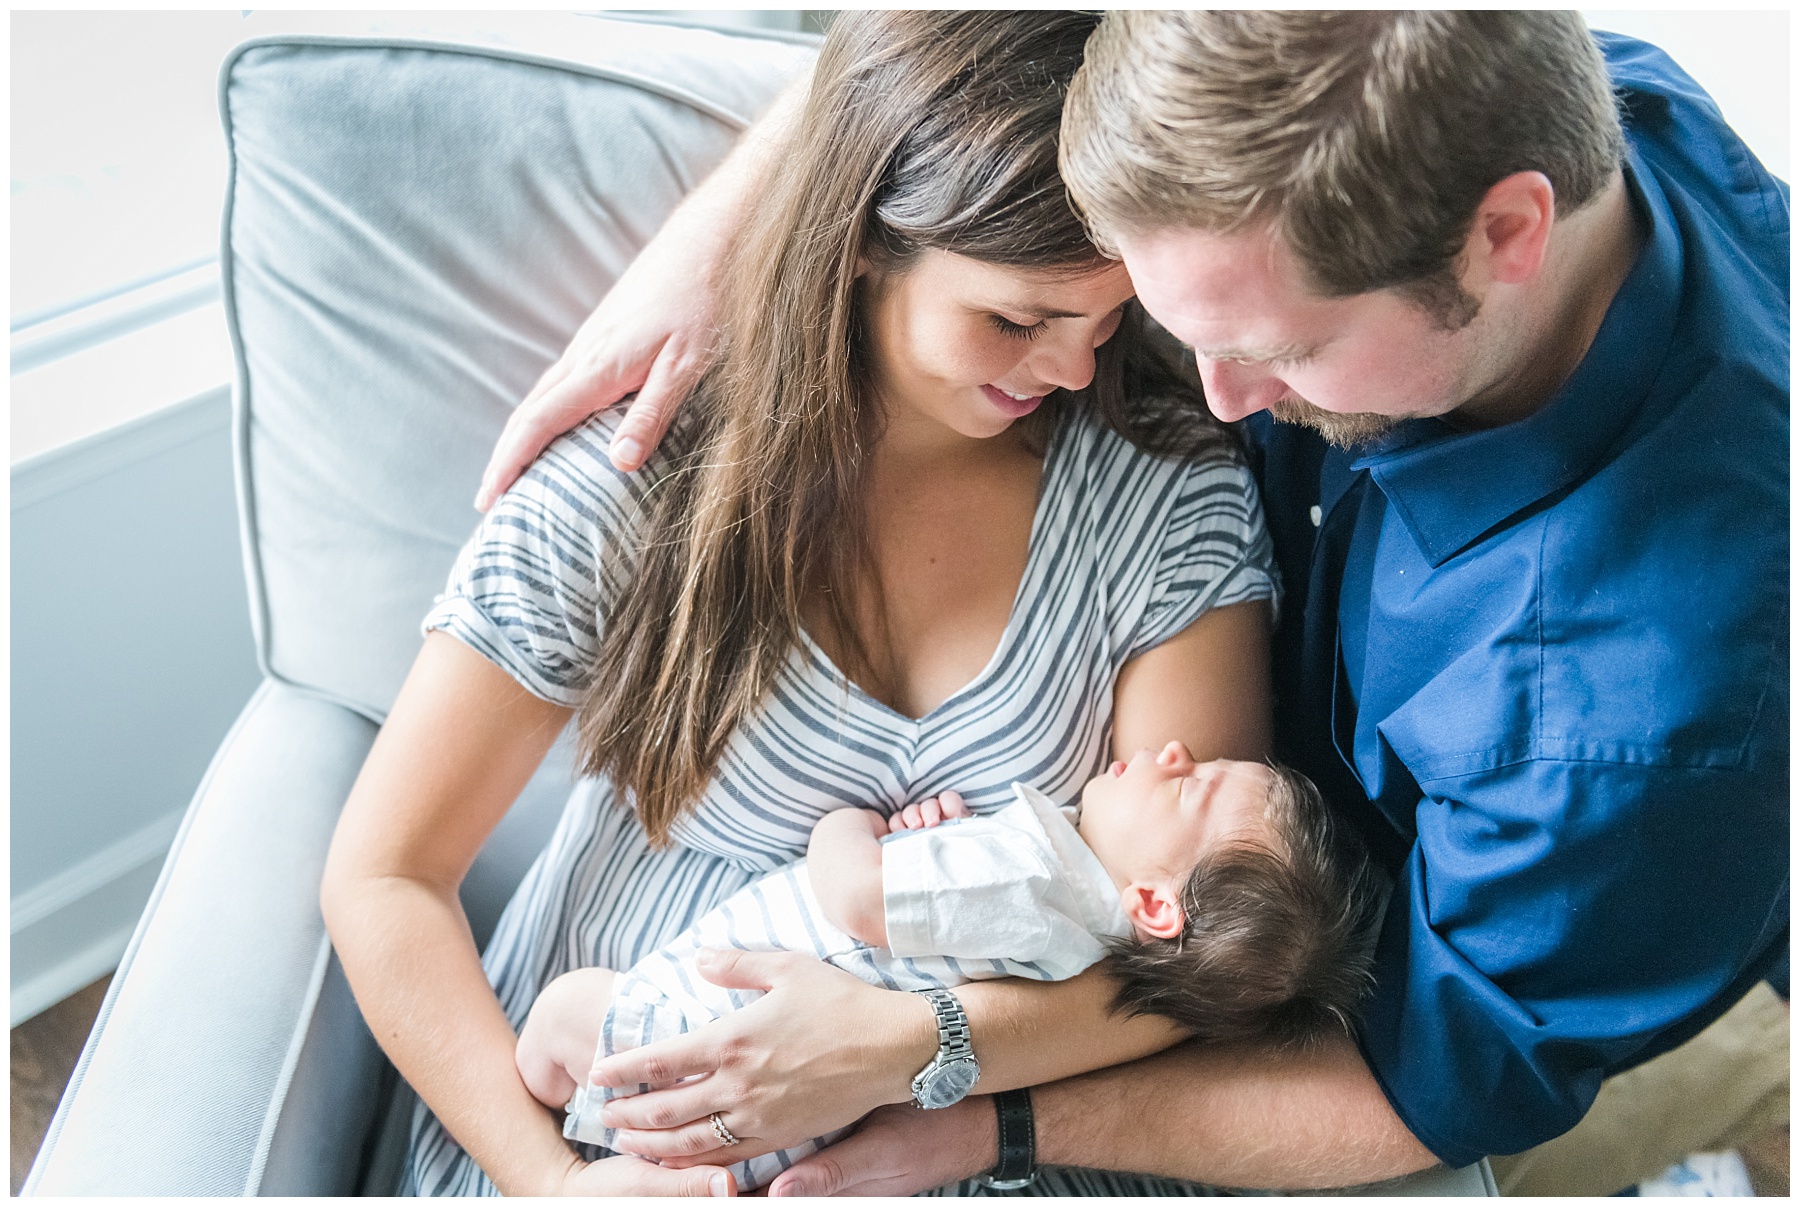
(922, 130)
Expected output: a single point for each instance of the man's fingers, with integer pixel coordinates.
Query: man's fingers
(857, 1164)
(549, 379)
(671, 377)
(814, 1177)
(562, 398)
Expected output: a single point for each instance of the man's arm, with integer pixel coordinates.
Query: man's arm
(1233, 1116)
(653, 331)
(1227, 1116)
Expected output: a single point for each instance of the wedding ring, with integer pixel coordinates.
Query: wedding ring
(726, 1139)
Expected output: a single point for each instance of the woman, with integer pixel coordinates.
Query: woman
(936, 518)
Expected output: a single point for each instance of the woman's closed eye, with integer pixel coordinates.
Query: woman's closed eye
(1006, 326)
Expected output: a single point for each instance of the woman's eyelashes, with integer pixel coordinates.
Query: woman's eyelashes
(1006, 326)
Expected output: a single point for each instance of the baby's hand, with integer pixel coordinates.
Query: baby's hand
(929, 812)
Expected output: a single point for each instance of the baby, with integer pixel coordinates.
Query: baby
(1227, 895)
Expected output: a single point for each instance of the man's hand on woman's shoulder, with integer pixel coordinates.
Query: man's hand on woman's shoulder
(651, 338)
(649, 341)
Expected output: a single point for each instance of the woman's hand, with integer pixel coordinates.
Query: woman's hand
(634, 1176)
(900, 1150)
(820, 1051)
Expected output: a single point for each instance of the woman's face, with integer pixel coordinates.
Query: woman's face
(974, 346)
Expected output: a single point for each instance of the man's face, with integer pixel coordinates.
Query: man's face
(1349, 367)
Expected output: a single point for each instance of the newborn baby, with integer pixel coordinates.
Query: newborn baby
(1226, 894)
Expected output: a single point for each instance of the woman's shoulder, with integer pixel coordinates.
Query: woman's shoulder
(1209, 473)
(574, 480)
(533, 586)
(1172, 535)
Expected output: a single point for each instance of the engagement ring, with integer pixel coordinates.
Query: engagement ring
(722, 1132)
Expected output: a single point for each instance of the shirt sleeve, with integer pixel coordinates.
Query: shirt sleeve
(976, 889)
(1559, 921)
(531, 588)
(1214, 550)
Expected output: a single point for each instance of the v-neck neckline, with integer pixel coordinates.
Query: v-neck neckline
(1052, 455)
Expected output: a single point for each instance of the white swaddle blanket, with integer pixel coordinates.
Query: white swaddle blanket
(1012, 893)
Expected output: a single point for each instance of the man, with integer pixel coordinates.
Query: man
(1530, 507)
(1538, 642)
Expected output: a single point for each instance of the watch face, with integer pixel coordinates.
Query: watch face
(948, 1084)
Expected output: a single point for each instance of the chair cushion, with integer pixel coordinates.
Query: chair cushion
(413, 232)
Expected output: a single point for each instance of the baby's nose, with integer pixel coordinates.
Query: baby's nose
(1175, 755)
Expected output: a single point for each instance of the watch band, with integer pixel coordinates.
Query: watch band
(1017, 1167)
(953, 1072)
(952, 1023)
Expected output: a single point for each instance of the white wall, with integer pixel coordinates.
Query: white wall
(131, 656)
(1740, 57)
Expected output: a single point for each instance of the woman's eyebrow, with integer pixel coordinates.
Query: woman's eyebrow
(1043, 313)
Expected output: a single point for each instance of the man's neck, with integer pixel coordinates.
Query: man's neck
(1592, 252)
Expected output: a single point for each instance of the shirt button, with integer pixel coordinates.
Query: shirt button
(1316, 515)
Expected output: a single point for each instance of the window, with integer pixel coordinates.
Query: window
(118, 174)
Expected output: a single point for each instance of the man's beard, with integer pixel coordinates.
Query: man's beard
(1343, 430)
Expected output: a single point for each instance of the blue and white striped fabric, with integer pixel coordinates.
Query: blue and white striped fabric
(1055, 904)
(1126, 551)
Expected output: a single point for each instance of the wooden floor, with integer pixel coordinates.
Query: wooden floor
(45, 1048)
(44, 1051)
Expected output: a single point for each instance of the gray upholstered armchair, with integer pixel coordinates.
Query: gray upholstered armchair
(413, 231)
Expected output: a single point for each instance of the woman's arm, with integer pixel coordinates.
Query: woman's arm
(818, 1053)
(461, 742)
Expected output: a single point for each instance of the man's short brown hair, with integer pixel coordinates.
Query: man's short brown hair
(1278, 932)
(1367, 138)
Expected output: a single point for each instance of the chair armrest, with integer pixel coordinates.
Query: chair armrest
(222, 1035)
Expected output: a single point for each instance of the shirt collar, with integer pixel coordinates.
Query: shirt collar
(1095, 895)
(1449, 487)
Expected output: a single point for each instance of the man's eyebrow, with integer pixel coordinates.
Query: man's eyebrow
(1285, 352)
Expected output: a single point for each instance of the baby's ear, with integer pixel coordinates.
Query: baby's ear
(1153, 909)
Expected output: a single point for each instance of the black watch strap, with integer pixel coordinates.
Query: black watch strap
(1017, 1167)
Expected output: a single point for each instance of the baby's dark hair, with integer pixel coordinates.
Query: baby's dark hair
(1278, 935)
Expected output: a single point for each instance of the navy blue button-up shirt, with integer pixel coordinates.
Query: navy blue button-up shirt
(1545, 667)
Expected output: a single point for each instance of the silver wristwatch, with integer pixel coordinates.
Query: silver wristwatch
(952, 1072)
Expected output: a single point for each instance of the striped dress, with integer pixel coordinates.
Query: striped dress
(1126, 551)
